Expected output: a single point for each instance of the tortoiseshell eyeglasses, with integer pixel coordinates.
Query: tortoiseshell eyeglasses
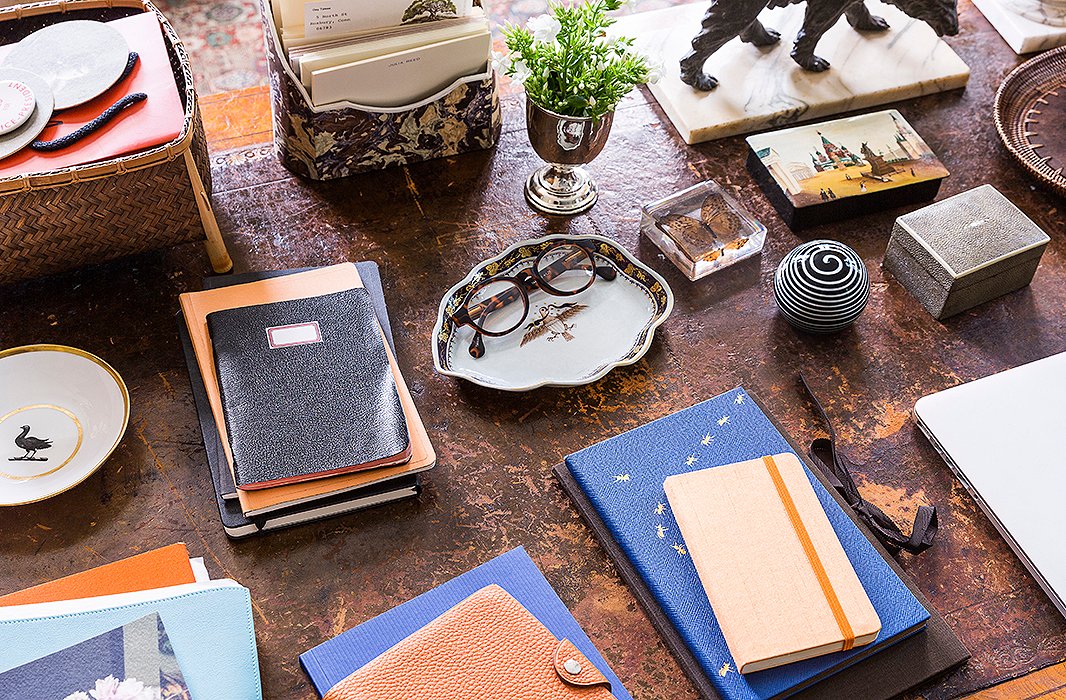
(493, 307)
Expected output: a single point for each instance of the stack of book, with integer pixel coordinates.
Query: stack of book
(758, 577)
(384, 54)
(497, 631)
(151, 626)
(303, 409)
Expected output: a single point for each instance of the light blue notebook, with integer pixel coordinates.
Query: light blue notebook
(209, 625)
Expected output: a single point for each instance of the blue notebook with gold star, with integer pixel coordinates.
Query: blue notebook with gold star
(623, 480)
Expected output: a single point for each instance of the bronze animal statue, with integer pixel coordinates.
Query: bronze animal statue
(726, 19)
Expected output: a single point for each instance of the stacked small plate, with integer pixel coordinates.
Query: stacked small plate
(821, 286)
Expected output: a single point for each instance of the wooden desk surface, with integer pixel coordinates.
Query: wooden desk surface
(493, 490)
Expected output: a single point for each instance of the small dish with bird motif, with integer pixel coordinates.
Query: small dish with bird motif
(550, 334)
(63, 412)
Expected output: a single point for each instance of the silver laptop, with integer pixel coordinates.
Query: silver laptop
(1004, 436)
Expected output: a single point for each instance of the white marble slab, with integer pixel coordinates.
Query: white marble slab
(1021, 33)
(761, 88)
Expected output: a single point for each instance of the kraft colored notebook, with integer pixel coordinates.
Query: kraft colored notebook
(778, 580)
(307, 389)
(158, 568)
(486, 647)
(326, 280)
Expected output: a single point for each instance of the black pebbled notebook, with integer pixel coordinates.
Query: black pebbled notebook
(307, 389)
(234, 522)
(886, 674)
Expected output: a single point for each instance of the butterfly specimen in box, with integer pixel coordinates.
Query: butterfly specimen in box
(552, 318)
(709, 237)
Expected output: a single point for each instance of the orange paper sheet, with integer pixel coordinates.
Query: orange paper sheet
(159, 568)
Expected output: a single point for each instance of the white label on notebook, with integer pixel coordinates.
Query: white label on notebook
(295, 334)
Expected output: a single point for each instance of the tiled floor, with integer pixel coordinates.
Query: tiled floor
(225, 37)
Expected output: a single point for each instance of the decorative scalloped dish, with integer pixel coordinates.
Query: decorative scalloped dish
(610, 324)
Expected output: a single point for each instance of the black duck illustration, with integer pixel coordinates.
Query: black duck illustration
(553, 319)
(25, 441)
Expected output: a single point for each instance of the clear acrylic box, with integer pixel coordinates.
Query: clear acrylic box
(702, 229)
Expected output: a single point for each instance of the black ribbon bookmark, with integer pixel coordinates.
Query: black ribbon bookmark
(837, 469)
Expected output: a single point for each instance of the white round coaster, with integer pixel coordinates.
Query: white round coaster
(15, 140)
(16, 104)
(79, 59)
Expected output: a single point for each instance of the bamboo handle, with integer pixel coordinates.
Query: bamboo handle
(216, 247)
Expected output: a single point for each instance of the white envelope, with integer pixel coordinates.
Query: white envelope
(402, 78)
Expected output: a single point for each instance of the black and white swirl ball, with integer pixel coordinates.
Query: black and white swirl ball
(821, 286)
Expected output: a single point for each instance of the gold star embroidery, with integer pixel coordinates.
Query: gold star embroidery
(660, 509)
(739, 400)
(621, 478)
(706, 439)
(723, 420)
(660, 531)
(691, 460)
(724, 669)
(680, 549)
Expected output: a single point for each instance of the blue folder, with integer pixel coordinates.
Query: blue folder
(623, 479)
(333, 661)
(209, 626)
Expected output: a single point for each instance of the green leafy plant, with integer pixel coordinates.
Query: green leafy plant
(569, 63)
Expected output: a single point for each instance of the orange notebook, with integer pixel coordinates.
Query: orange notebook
(159, 568)
(327, 280)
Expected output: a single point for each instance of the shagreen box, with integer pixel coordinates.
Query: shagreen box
(964, 250)
(825, 172)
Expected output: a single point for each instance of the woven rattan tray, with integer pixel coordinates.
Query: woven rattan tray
(1030, 115)
(62, 219)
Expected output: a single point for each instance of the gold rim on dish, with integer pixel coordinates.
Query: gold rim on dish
(46, 347)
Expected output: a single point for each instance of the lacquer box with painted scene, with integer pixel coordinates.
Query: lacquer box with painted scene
(819, 173)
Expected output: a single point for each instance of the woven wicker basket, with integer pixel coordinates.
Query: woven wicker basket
(62, 219)
(1018, 94)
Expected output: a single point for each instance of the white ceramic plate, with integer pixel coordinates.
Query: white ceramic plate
(62, 413)
(613, 324)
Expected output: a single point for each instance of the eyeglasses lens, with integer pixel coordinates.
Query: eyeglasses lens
(566, 269)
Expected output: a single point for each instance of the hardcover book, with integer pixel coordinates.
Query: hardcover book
(133, 661)
(621, 482)
(307, 389)
(332, 661)
(779, 582)
(326, 280)
(158, 568)
(209, 626)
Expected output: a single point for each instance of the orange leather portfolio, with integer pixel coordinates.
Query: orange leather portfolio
(327, 280)
(159, 568)
(488, 647)
(779, 582)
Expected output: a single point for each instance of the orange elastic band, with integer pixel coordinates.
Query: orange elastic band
(812, 554)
